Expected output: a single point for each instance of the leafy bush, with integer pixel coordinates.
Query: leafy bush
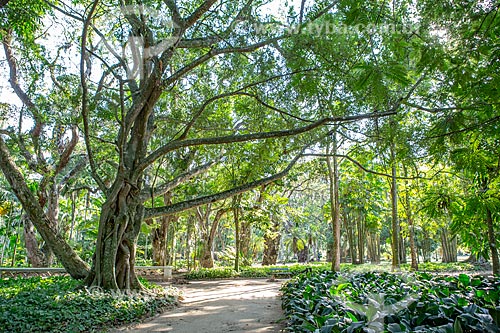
(56, 305)
(375, 302)
(211, 273)
(250, 272)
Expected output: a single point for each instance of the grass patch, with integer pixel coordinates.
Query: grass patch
(56, 305)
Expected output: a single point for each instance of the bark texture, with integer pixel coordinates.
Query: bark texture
(272, 240)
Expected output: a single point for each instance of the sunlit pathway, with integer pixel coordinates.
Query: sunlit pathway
(221, 306)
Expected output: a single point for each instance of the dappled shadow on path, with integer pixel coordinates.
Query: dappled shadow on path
(222, 306)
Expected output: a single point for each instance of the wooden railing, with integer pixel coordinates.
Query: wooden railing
(167, 270)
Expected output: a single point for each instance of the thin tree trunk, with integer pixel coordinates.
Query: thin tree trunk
(245, 241)
(361, 237)
(236, 216)
(411, 227)
(492, 242)
(394, 203)
(333, 177)
(350, 240)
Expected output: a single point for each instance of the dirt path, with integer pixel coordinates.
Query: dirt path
(221, 306)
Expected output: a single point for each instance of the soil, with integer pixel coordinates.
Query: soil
(219, 306)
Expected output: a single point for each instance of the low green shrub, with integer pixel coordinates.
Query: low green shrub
(211, 273)
(55, 304)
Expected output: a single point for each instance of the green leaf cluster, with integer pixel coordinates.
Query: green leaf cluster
(385, 302)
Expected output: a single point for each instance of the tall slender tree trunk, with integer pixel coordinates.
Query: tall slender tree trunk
(394, 203)
(245, 241)
(333, 177)
(350, 239)
(160, 234)
(492, 242)
(411, 227)
(236, 217)
(208, 238)
(360, 226)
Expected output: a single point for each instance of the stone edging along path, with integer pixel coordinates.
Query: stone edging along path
(219, 306)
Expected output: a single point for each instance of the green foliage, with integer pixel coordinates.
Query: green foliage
(59, 304)
(211, 273)
(250, 272)
(376, 302)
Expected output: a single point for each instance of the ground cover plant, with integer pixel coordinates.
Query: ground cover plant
(59, 304)
(384, 302)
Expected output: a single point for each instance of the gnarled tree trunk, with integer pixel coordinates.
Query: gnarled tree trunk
(119, 226)
(272, 240)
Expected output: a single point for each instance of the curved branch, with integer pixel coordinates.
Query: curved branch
(160, 190)
(253, 136)
(188, 204)
(359, 165)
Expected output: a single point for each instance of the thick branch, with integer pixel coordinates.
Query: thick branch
(13, 79)
(239, 91)
(188, 204)
(68, 150)
(176, 16)
(253, 136)
(202, 9)
(215, 52)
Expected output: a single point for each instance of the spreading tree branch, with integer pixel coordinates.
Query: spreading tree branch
(149, 193)
(253, 136)
(193, 203)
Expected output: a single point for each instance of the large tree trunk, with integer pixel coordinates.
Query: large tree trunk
(73, 264)
(449, 246)
(272, 241)
(333, 177)
(350, 239)
(119, 227)
(245, 242)
(160, 236)
(492, 242)
(374, 247)
(208, 237)
(35, 257)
